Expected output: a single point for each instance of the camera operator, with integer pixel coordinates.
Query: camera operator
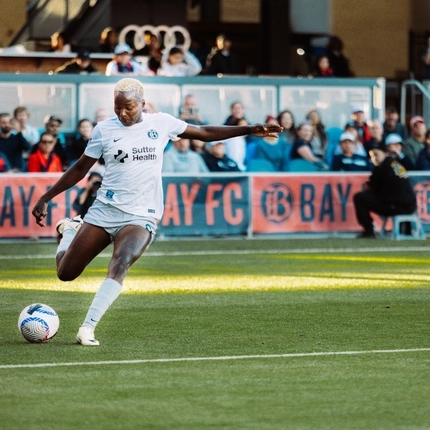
(189, 111)
(88, 194)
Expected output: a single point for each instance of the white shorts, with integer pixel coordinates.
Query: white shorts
(112, 219)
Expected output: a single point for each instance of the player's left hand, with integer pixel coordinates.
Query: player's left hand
(266, 130)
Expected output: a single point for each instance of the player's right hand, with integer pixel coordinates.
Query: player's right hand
(39, 212)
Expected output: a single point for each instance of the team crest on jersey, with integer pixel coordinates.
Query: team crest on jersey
(152, 134)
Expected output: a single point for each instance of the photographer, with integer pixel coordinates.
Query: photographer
(189, 111)
(87, 195)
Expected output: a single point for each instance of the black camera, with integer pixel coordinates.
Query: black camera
(97, 184)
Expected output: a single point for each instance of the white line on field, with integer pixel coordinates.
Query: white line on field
(247, 251)
(227, 357)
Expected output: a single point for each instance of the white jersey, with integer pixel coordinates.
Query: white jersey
(134, 157)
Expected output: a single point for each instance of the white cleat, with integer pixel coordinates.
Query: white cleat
(85, 337)
(73, 223)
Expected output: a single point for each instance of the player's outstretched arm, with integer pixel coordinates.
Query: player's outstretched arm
(209, 133)
(69, 178)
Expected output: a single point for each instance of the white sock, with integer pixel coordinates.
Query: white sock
(66, 240)
(109, 290)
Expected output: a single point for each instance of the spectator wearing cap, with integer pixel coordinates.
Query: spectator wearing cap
(394, 145)
(348, 161)
(123, 64)
(415, 143)
(53, 126)
(423, 159)
(357, 116)
(358, 148)
(393, 125)
(79, 65)
(216, 159)
(388, 191)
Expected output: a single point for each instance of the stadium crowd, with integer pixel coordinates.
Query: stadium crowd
(303, 146)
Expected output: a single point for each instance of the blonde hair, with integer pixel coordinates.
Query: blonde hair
(129, 85)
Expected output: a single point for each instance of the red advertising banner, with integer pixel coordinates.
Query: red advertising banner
(19, 193)
(311, 203)
(217, 205)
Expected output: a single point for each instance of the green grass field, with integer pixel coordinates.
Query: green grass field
(225, 334)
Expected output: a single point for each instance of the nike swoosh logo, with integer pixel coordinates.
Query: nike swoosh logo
(119, 138)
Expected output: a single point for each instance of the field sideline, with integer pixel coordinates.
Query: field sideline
(226, 334)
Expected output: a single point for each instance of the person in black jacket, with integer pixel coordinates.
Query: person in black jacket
(216, 160)
(79, 65)
(388, 191)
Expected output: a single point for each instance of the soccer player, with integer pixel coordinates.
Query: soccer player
(129, 203)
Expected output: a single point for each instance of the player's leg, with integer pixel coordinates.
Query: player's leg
(129, 244)
(78, 248)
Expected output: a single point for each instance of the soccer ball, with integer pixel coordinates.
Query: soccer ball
(38, 323)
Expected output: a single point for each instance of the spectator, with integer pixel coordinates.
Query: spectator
(101, 114)
(79, 65)
(348, 161)
(59, 43)
(358, 149)
(216, 160)
(392, 124)
(423, 160)
(236, 112)
(123, 64)
(198, 146)
(338, 61)
(272, 149)
(388, 191)
(87, 195)
(375, 131)
(286, 120)
(151, 51)
(416, 141)
(108, 41)
(44, 159)
(394, 147)
(77, 143)
(4, 164)
(302, 147)
(22, 115)
(426, 59)
(178, 62)
(180, 159)
(12, 146)
(149, 108)
(322, 68)
(221, 59)
(189, 111)
(319, 138)
(357, 115)
(236, 148)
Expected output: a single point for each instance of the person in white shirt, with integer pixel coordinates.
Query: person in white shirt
(129, 202)
(179, 158)
(176, 62)
(123, 64)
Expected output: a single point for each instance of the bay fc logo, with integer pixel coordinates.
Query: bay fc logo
(277, 203)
